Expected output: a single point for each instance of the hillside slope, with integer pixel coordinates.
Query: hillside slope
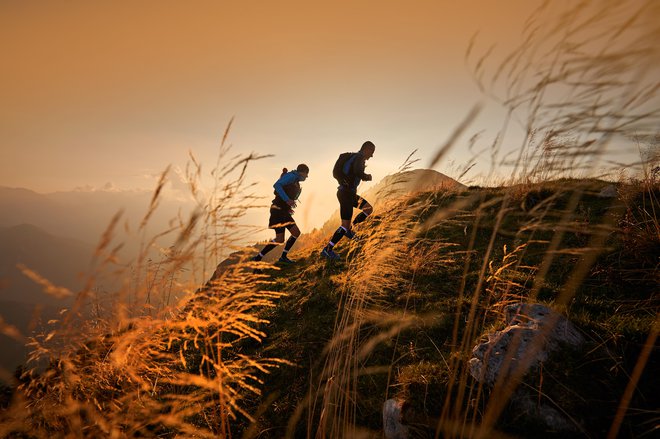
(315, 349)
(432, 275)
(58, 259)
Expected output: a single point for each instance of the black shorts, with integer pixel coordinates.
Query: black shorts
(347, 201)
(280, 219)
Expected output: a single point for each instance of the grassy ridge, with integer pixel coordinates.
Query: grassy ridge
(315, 349)
(470, 256)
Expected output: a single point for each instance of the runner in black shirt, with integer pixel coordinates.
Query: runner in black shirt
(349, 177)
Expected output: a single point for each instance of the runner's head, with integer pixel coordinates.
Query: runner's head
(368, 149)
(303, 171)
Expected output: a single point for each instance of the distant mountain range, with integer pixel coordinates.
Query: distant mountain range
(23, 302)
(82, 215)
(55, 235)
(58, 259)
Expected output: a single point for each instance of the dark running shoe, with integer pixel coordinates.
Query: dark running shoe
(350, 234)
(328, 253)
(285, 260)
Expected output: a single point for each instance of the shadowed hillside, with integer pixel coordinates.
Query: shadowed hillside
(58, 259)
(408, 287)
(329, 342)
(23, 302)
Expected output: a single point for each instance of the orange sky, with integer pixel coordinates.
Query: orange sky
(95, 93)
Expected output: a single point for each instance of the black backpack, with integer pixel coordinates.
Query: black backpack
(338, 170)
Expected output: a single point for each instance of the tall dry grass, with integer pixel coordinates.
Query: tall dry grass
(157, 357)
(581, 85)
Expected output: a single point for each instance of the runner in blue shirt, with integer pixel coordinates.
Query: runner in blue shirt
(287, 191)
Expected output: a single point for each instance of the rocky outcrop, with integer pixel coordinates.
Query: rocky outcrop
(532, 332)
(401, 421)
(393, 427)
(608, 191)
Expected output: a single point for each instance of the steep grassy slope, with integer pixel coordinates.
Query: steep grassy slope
(430, 276)
(314, 349)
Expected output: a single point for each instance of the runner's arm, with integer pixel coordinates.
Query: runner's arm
(358, 169)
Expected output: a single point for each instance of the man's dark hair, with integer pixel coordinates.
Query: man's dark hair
(302, 168)
(368, 145)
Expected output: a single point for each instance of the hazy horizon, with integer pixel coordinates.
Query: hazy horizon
(100, 95)
(110, 95)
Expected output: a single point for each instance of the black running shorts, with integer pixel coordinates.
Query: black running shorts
(347, 201)
(280, 219)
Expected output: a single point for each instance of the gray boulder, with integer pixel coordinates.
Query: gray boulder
(392, 418)
(608, 191)
(532, 332)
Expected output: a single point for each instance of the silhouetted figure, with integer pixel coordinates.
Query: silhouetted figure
(349, 172)
(287, 191)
